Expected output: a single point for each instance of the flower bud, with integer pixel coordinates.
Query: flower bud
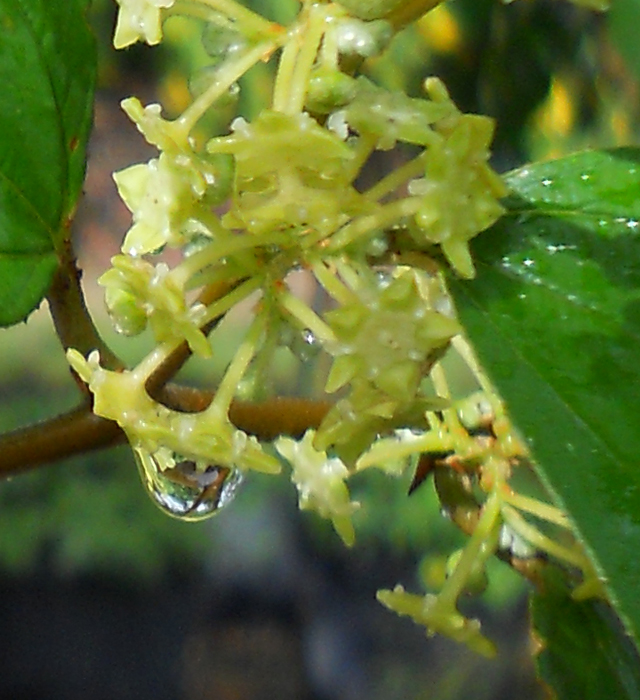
(126, 314)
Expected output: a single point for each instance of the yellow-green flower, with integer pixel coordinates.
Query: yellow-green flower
(205, 438)
(439, 616)
(459, 193)
(320, 481)
(388, 335)
(139, 19)
(290, 173)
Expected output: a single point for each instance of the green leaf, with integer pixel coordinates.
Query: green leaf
(584, 654)
(555, 317)
(47, 73)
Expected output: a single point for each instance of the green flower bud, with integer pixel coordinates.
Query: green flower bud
(126, 314)
(329, 90)
(364, 39)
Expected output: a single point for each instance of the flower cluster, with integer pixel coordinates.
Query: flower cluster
(273, 195)
(290, 173)
(282, 193)
(388, 334)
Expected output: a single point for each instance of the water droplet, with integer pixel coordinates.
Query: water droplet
(377, 246)
(206, 77)
(632, 224)
(220, 42)
(182, 490)
(309, 337)
(546, 182)
(383, 278)
(585, 176)
(305, 346)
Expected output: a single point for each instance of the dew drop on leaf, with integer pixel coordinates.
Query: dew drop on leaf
(182, 490)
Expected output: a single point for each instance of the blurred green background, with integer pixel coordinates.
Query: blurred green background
(102, 594)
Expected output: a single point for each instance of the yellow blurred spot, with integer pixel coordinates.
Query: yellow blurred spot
(440, 28)
(433, 571)
(619, 121)
(174, 93)
(557, 116)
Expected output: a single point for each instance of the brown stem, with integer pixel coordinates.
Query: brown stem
(278, 416)
(71, 433)
(71, 318)
(82, 431)
(171, 366)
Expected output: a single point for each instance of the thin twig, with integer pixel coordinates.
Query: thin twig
(71, 318)
(80, 431)
(175, 361)
(75, 432)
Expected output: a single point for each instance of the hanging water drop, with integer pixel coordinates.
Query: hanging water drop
(183, 490)
(305, 345)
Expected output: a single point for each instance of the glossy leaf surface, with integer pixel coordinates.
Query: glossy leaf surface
(47, 72)
(555, 317)
(586, 657)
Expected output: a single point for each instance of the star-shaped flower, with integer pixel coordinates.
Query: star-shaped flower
(139, 19)
(320, 481)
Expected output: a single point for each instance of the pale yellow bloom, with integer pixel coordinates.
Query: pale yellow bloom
(320, 481)
(139, 19)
